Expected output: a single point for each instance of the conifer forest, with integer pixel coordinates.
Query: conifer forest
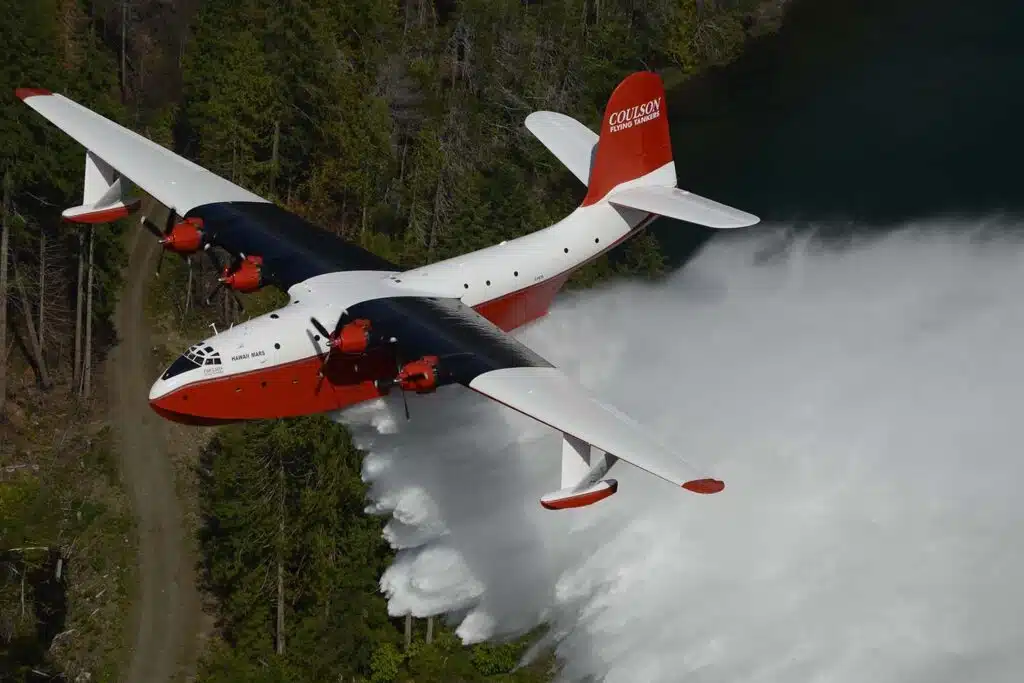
(396, 124)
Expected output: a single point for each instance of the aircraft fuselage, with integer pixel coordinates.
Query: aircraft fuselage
(273, 366)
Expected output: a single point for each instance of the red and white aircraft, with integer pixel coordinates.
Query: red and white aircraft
(357, 325)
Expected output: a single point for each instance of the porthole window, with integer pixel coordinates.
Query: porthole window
(596, 240)
(277, 346)
(466, 285)
(566, 250)
(516, 273)
(274, 316)
(488, 283)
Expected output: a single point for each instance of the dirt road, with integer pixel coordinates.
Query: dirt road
(166, 610)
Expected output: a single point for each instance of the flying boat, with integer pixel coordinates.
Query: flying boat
(357, 327)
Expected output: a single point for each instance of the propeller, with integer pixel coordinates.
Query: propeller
(160, 235)
(329, 336)
(221, 280)
(405, 401)
(163, 235)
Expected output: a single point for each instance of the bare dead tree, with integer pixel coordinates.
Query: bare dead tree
(124, 52)
(280, 557)
(77, 377)
(274, 163)
(87, 360)
(4, 245)
(34, 343)
(42, 287)
(54, 315)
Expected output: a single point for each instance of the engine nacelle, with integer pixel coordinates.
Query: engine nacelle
(420, 375)
(185, 238)
(423, 376)
(354, 337)
(247, 277)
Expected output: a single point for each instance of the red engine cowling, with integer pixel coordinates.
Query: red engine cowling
(354, 337)
(185, 237)
(247, 277)
(419, 375)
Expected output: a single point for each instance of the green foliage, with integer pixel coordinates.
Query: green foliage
(48, 44)
(697, 40)
(289, 492)
(396, 125)
(57, 514)
(496, 659)
(385, 663)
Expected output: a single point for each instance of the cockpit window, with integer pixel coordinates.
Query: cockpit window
(196, 356)
(182, 364)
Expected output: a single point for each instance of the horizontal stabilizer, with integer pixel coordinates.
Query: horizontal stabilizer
(566, 138)
(682, 205)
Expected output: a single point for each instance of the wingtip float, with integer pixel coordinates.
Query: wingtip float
(418, 330)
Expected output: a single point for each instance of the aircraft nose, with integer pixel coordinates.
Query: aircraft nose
(176, 376)
(159, 389)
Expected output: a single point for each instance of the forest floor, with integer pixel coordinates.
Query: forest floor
(168, 619)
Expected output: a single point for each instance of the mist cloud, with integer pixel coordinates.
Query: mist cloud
(864, 407)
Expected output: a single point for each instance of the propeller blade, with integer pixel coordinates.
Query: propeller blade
(327, 359)
(320, 328)
(341, 322)
(218, 267)
(209, 297)
(398, 373)
(153, 228)
(160, 261)
(323, 360)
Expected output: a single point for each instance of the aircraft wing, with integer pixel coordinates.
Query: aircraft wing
(552, 397)
(230, 216)
(477, 354)
(175, 182)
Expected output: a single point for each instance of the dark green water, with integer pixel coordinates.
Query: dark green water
(862, 113)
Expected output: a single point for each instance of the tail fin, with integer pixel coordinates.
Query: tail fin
(634, 139)
(635, 148)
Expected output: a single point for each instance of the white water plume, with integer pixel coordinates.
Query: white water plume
(863, 406)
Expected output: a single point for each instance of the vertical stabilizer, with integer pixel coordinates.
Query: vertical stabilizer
(634, 140)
